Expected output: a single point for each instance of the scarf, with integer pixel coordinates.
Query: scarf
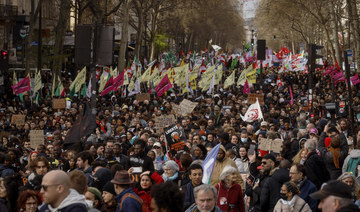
(170, 178)
(336, 155)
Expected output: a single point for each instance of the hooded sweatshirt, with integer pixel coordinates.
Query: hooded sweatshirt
(73, 202)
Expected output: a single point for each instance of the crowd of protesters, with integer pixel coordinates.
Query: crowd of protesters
(124, 165)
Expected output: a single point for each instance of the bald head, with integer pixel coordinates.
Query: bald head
(58, 177)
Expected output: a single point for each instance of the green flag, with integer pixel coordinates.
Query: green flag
(233, 64)
(83, 91)
(72, 92)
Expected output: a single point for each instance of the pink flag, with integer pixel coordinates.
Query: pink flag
(163, 86)
(355, 79)
(291, 96)
(109, 86)
(246, 88)
(22, 86)
(119, 81)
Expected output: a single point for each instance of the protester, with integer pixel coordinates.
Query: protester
(29, 201)
(108, 195)
(171, 172)
(166, 197)
(290, 201)
(205, 199)
(195, 175)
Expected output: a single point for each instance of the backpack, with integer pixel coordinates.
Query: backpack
(352, 164)
(143, 206)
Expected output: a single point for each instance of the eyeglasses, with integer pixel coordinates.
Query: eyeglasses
(45, 187)
(156, 147)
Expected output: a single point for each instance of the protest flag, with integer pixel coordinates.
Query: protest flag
(246, 89)
(109, 86)
(291, 96)
(355, 80)
(22, 86)
(230, 80)
(253, 113)
(209, 163)
(163, 86)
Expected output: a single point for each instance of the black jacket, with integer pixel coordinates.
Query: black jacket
(316, 170)
(142, 160)
(270, 193)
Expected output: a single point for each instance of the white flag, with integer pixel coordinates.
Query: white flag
(88, 91)
(253, 113)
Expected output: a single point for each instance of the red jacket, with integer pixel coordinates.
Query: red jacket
(232, 196)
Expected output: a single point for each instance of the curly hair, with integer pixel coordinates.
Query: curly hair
(168, 196)
(292, 187)
(24, 195)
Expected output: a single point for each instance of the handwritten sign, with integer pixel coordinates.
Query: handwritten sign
(142, 97)
(18, 120)
(270, 145)
(59, 103)
(164, 121)
(252, 98)
(36, 137)
(185, 108)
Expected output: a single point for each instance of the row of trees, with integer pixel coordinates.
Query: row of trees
(334, 24)
(180, 25)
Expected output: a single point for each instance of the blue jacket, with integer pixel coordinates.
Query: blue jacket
(189, 194)
(129, 203)
(306, 188)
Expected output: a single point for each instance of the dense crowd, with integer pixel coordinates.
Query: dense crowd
(125, 164)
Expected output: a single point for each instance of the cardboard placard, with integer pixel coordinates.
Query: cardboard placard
(142, 97)
(175, 137)
(18, 120)
(185, 108)
(164, 121)
(270, 145)
(59, 103)
(252, 98)
(36, 137)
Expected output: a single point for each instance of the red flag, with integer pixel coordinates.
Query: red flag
(279, 83)
(283, 51)
(163, 86)
(337, 65)
(22, 86)
(109, 86)
(291, 96)
(118, 81)
(246, 88)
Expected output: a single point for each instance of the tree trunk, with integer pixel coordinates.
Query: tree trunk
(335, 31)
(124, 37)
(29, 39)
(139, 8)
(153, 34)
(60, 30)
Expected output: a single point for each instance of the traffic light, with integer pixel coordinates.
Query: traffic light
(313, 56)
(252, 41)
(4, 60)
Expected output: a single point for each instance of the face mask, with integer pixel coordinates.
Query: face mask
(243, 140)
(283, 196)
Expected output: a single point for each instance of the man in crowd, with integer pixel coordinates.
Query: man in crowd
(205, 199)
(195, 175)
(140, 159)
(83, 162)
(298, 176)
(58, 195)
(166, 197)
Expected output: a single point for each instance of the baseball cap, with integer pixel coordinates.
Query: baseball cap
(335, 188)
(270, 156)
(313, 131)
(263, 123)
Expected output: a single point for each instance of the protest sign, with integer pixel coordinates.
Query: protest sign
(270, 145)
(226, 110)
(175, 137)
(164, 121)
(36, 137)
(142, 97)
(252, 98)
(59, 103)
(18, 120)
(185, 108)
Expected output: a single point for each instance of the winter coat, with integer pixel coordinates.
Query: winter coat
(232, 196)
(307, 188)
(73, 202)
(316, 170)
(355, 153)
(270, 192)
(328, 156)
(220, 165)
(129, 203)
(254, 193)
(349, 208)
(188, 189)
(3, 205)
(299, 205)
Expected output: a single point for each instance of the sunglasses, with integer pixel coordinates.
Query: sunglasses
(45, 187)
(263, 162)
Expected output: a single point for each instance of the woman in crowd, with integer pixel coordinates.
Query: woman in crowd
(230, 196)
(243, 160)
(8, 193)
(108, 196)
(171, 172)
(143, 190)
(290, 201)
(349, 179)
(28, 201)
